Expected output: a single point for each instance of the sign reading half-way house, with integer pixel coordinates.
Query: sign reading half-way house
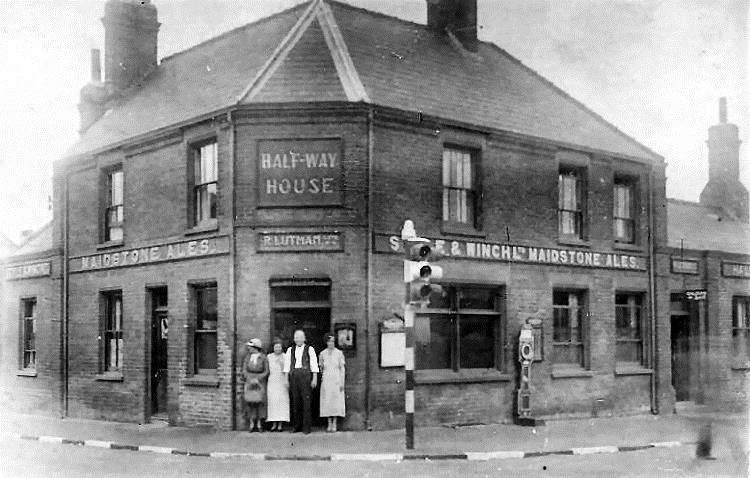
(27, 271)
(300, 172)
(488, 251)
(152, 254)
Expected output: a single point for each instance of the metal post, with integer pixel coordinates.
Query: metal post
(409, 371)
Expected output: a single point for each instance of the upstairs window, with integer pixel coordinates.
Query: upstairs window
(205, 176)
(623, 215)
(28, 334)
(571, 196)
(113, 214)
(628, 318)
(568, 341)
(112, 331)
(741, 328)
(206, 320)
(459, 192)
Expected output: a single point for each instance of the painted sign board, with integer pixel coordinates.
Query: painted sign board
(684, 266)
(152, 254)
(735, 269)
(300, 172)
(299, 241)
(28, 271)
(697, 294)
(487, 251)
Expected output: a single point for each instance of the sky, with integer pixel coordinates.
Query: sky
(653, 68)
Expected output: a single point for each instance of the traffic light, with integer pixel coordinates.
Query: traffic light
(418, 271)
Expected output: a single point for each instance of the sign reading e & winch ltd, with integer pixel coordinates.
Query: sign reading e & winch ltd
(487, 251)
(300, 172)
(27, 271)
(152, 254)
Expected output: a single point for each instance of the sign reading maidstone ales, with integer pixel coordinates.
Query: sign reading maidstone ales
(735, 269)
(300, 172)
(509, 253)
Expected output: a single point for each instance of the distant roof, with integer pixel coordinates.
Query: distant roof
(7, 247)
(325, 50)
(703, 228)
(38, 241)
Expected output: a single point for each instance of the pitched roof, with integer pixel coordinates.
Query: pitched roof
(694, 226)
(325, 50)
(39, 241)
(6, 245)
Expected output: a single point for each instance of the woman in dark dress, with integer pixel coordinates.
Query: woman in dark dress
(255, 373)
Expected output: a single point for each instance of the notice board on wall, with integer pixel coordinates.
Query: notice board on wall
(300, 172)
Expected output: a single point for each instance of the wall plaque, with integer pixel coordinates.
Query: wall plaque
(487, 251)
(300, 172)
(735, 269)
(152, 254)
(299, 241)
(28, 271)
(684, 266)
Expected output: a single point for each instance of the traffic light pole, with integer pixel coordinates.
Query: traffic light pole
(409, 370)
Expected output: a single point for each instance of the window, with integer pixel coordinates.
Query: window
(460, 330)
(113, 215)
(570, 203)
(741, 328)
(628, 320)
(459, 192)
(204, 183)
(568, 328)
(112, 331)
(623, 215)
(28, 346)
(204, 349)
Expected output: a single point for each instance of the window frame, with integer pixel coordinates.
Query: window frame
(581, 198)
(194, 185)
(640, 305)
(473, 193)
(108, 329)
(23, 336)
(582, 305)
(631, 222)
(745, 329)
(455, 314)
(109, 205)
(195, 357)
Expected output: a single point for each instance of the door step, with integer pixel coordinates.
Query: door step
(158, 421)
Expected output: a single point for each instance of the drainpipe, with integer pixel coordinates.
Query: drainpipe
(64, 306)
(652, 293)
(368, 298)
(232, 275)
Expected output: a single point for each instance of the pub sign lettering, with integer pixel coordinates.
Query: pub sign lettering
(300, 172)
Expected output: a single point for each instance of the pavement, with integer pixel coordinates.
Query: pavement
(478, 442)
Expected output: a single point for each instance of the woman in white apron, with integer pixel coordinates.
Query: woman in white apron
(278, 388)
(332, 365)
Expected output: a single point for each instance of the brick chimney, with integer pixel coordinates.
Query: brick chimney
(130, 53)
(724, 190)
(457, 17)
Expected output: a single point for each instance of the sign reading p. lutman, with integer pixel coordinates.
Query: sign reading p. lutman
(300, 172)
(27, 271)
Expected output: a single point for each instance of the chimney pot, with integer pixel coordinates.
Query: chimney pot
(722, 110)
(459, 17)
(96, 66)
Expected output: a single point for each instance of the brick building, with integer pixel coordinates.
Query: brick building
(257, 182)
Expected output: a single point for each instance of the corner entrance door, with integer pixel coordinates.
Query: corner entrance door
(684, 341)
(159, 342)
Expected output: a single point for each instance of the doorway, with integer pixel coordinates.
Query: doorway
(306, 305)
(159, 344)
(684, 334)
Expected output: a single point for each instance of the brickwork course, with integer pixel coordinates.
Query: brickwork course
(381, 99)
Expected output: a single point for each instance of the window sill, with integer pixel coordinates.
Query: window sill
(206, 226)
(624, 246)
(463, 376)
(572, 373)
(26, 372)
(624, 370)
(572, 241)
(458, 229)
(741, 366)
(109, 244)
(109, 377)
(201, 381)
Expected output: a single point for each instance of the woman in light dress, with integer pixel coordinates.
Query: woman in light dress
(332, 365)
(278, 388)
